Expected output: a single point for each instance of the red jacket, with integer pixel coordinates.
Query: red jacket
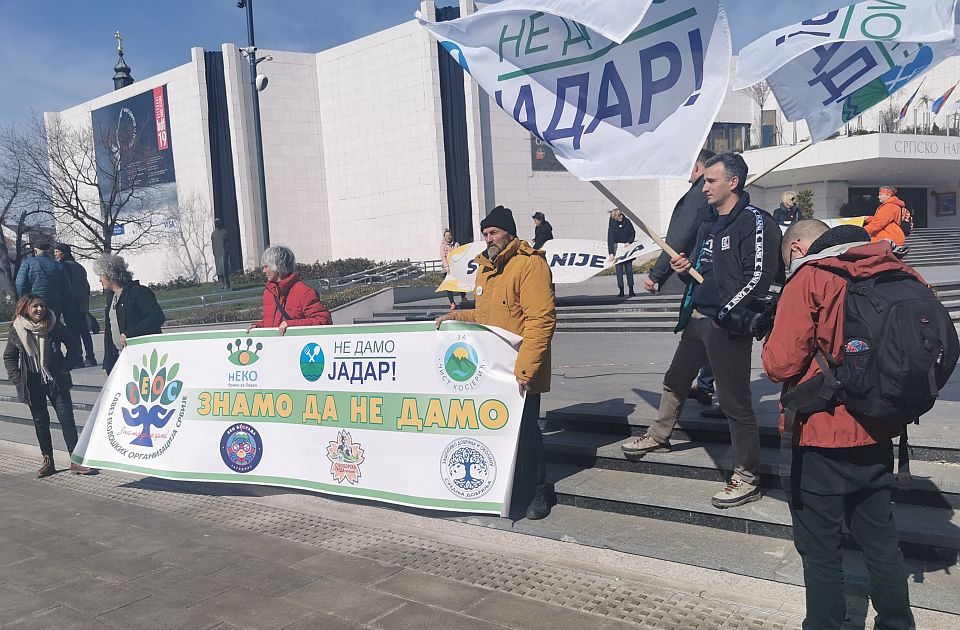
(810, 313)
(885, 222)
(301, 303)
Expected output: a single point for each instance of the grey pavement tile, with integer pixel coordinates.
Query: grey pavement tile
(120, 565)
(95, 596)
(13, 553)
(323, 621)
(248, 609)
(39, 576)
(343, 600)
(196, 558)
(67, 548)
(264, 577)
(16, 603)
(181, 588)
(517, 612)
(346, 567)
(429, 589)
(153, 613)
(59, 618)
(413, 616)
(275, 549)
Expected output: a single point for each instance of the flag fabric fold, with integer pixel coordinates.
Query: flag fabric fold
(938, 104)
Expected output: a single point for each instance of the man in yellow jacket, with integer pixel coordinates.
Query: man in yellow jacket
(514, 292)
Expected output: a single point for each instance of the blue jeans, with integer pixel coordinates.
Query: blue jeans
(705, 379)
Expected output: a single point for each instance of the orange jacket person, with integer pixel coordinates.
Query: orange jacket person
(885, 222)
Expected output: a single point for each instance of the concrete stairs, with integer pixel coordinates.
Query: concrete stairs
(644, 313)
(933, 246)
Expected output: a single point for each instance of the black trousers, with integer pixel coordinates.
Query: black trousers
(851, 486)
(625, 268)
(62, 404)
(77, 324)
(531, 467)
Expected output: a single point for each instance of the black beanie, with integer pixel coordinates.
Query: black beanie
(839, 235)
(502, 218)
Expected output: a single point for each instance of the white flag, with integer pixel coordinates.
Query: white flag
(640, 109)
(831, 85)
(873, 20)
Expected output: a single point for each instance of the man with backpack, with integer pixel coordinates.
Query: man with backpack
(892, 221)
(847, 309)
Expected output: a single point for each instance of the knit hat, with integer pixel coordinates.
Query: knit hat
(539, 215)
(502, 218)
(840, 235)
(63, 247)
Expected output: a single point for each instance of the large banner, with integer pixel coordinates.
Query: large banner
(571, 260)
(134, 152)
(398, 413)
(632, 107)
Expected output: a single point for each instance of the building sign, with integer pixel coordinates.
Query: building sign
(930, 147)
(543, 157)
(134, 152)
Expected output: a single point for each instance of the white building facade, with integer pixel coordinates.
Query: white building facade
(373, 148)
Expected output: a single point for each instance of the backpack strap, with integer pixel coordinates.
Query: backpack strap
(903, 462)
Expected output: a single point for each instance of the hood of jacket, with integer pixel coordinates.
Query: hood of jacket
(856, 260)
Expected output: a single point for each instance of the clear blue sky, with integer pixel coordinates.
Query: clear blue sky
(61, 52)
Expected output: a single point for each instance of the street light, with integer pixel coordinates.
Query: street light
(257, 84)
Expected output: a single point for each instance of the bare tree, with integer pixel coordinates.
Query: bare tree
(889, 116)
(89, 197)
(759, 93)
(188, 240)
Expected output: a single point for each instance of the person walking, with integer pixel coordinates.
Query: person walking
(844, 461)
(788, 211)
(36, 364)
(514, 292)
(542, 231)
(130, 310)
(738, 257)
(287, 300)
(885, 222)
(447, 245)
(42, 275)
(621, 230)
(76, 310)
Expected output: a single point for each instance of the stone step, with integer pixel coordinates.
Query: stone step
(930, 441)
(934, 484)
(925, 532)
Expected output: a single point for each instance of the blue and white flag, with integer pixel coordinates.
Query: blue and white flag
(639, 108)
(833, 84)
(873, 20)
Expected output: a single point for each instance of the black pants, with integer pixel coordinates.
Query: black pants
(78, 324)
(531, 468)
(62, 404)
(849, 486)
(625, 268)
(450, 294)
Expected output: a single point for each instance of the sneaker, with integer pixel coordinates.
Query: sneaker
(901, 250)
(542, 502)
(702, 396)
(638, 447)
(453, 306)
(90, 362)
(77, 469)
(47, 468)
(715, 413)
(737, 492)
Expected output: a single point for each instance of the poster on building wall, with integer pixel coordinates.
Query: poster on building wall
(543, 158)
(397, 413)
(133, 147)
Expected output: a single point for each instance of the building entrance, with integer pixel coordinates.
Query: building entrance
(864, 201)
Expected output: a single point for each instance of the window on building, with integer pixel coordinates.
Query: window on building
(726, 137)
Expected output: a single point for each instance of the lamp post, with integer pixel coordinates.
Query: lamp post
(251, 55)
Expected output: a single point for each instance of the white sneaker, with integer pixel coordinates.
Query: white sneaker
(737, 492)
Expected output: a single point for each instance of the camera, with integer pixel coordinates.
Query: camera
(756, 320)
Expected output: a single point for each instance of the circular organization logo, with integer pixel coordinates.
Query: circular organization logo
(241, 447)
(460, 361)
(311, 362)
(468, 468)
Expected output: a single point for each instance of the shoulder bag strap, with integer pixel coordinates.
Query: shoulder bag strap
(283, 313)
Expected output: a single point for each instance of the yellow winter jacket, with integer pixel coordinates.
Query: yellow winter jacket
(515, 293)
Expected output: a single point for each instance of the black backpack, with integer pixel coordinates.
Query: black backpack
(900, 347)
(906, 221)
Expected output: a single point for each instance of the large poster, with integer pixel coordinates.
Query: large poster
(399, 413)
(134, 152)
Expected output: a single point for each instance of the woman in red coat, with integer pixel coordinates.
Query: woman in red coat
(287, 300)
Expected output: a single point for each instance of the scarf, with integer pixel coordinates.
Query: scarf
(35, 339)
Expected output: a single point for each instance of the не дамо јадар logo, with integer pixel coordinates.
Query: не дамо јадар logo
(311, 362)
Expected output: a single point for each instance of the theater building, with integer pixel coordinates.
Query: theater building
(373, 147)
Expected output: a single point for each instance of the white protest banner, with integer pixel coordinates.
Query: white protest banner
(636, 109)
(873, 20)
(571, 260)
(399, 413)
(832, 85)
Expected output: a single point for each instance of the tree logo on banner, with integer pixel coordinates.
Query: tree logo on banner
(345, 457)
(468, 468)
(151, 395)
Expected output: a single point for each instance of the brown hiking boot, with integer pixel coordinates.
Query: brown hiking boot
(48, 468)
(77, 469)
